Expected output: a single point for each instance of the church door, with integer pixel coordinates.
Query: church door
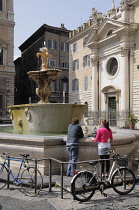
(112, 111)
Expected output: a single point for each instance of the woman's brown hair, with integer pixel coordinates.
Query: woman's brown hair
(106, 124)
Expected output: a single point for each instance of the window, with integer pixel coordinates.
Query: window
(110, 33)
(112, 66)
(75, 84)
(86, 82)
(51, 44)
(65, 65)
(0, 5)
(1, 56)
(75, 47)
(64, 46)
(52, 63)
(75, 65)
(1, 101)
(86, 61)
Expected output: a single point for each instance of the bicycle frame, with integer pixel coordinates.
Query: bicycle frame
(9, 171)
(113, 169)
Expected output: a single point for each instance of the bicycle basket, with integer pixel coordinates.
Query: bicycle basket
(123, 161)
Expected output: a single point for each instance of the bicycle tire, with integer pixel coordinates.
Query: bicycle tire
(123, 181)
(27, 181)
(81, 189)
(3, 176)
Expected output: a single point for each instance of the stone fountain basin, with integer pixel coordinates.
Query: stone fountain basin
(45, 117)
(55, 146)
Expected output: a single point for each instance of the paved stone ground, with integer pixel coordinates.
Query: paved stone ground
(16, 200)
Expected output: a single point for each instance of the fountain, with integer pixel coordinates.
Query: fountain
(43, 116)
(54, 118)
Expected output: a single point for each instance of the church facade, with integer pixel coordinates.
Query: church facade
(7, 70)
(104, 64)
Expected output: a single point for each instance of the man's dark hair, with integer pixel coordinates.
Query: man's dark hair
(75, 120)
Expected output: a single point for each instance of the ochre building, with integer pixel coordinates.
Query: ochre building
(7, 70)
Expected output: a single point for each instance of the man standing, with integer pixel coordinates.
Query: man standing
(74, 133)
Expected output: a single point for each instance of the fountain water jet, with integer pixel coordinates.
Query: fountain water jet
(44, 117)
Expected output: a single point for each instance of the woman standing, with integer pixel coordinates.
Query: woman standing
(104, 138)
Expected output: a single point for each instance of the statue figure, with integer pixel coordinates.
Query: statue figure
(44, 55)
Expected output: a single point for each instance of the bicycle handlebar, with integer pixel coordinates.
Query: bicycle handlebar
(116, 155)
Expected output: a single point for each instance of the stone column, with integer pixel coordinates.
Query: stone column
(94, 83)
(125, 79)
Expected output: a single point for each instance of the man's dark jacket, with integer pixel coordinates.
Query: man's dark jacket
(74, 133)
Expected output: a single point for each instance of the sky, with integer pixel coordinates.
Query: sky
(30, 15)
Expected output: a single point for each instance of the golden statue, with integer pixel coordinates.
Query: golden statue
(44, 55)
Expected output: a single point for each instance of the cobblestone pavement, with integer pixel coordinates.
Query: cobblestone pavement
(15, 200)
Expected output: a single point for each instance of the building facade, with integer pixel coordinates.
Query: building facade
(104, 64)
(55, 39)
(7, 69)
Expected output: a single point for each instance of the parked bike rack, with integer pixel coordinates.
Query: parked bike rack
(50, 170)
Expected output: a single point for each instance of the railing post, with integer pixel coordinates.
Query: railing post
(8, 174)
(35, 176)
(61, 180)
(50, 174)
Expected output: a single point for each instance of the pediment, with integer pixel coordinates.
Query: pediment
(106, 30)
(110, 89)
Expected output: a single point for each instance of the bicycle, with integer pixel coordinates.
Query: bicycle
(27, 179)
(85, 183)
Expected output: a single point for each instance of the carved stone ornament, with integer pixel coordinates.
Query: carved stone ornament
(28, 114)
(11, 114)
(124, 51)
(94, 60)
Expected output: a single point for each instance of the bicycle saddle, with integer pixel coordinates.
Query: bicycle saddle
(25, 155)
(92, 163)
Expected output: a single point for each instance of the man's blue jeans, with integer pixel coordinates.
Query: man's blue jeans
(73, 155)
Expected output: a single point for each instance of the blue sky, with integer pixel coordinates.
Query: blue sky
(32, 14)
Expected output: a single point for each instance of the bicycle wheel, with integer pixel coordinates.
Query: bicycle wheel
(82, 186)
(27, 181)
(3, 176)
(123, 181)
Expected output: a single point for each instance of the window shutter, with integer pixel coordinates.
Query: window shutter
(88, 60)
(67, 46)
(49, 43)
(1, 56)
(0, 5)
(55, 45)
(73, 85)
(73, 67)
(86, 82)
(77, 64)
(77, 84)
(83, 61)
(62, 46)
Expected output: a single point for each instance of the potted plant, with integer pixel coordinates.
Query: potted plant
(133, 119)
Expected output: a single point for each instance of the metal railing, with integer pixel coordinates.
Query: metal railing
(50, 170)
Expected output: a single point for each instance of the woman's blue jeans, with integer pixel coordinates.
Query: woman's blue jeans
(73, 155)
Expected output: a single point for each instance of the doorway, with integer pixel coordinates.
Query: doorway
(112, 111)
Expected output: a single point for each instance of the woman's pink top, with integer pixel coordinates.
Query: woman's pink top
(103, 135)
